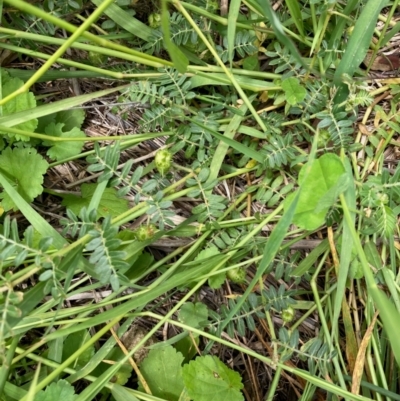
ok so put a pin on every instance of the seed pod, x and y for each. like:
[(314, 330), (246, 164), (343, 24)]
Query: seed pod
[(163, 160), (154, 20), (145, 232), (237, 275), (288, 314), (97, 59)]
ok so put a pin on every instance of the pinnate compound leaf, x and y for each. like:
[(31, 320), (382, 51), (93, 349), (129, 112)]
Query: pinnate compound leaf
[(207, 378), (62, 390), (24, 168), (194, 315), (162, 370), (21, 102), (323, 184), (63, 150), (294, 92), (110, 203)]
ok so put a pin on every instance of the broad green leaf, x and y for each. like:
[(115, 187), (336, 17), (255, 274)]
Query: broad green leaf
[(22, 102), (357, 46), (251, 63), (110, 203), (72, 118), (333, 193), (207, 378), (194, 315), (24, 168), (62, 390), (294, 92), (321, 176), (75, 341), (63, 150), (162, 370)]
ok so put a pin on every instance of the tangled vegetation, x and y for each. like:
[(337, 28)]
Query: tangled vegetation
[(199, 200)]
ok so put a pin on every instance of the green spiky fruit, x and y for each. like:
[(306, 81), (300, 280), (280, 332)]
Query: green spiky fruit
[(237, 275), (145, 232), (163, 160), (288, 314), (154, 20)]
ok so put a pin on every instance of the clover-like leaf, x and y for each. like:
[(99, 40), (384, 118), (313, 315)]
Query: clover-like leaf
[(194, 315), (24, 168), (21, 102), (294, 92), (207, 378), (110, 203), (162, 370), (320, 189), (72, 118), (62, 390), (63, 150)]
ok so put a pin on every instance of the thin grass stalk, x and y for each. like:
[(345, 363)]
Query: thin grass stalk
[(7, 362), (228, 73), (74, 356), (58, 53), (28, 8)]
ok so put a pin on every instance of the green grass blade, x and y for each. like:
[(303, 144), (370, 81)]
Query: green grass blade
[(121, 393), (307, 263), (357, 46), (295, 12), (98, 193), (234, 8), (126, 21), (40, 111), (222, 147), (37, 221), (395, 29), (389, 315), (30, 396), (255, 85), (232, 143), (346, 249), (7, 362), (14, 392), (180, 61), (265, 9), (271, 249), (338, 30)]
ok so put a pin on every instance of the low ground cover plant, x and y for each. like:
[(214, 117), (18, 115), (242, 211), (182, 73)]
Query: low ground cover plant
[(199, 200)]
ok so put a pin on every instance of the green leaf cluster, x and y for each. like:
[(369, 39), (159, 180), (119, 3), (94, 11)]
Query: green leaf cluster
[(201, 379)]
